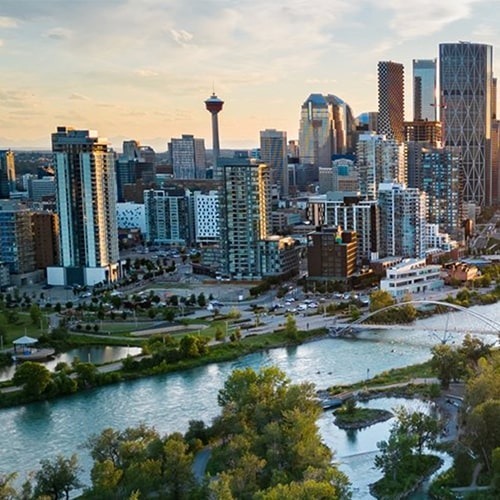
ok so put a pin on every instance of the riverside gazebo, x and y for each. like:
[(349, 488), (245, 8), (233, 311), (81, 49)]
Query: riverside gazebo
[(25, 350)]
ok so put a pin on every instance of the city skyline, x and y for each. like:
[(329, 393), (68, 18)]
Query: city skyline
[(141, 69)]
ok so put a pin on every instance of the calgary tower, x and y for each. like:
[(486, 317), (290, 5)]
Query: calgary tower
[(214, 105)]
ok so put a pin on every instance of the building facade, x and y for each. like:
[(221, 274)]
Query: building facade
[(466, 82), (86, 206), (331, 253), (424, 89), (188, 157), (274, 152), (411, 276), (245, 217), (353, 214), (391, 102), (166, 212), (402, 221), (206, 217), (7, 173), (379, 160)]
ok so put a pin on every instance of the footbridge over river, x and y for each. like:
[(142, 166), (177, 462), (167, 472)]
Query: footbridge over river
[(482, 323)]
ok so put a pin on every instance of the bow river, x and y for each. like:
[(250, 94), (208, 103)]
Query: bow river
[(167, 402)]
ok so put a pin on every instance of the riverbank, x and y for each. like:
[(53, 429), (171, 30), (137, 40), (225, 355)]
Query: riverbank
[(133, 369)]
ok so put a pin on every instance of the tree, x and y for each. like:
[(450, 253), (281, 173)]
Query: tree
[(35, 314), (57, 478), (7, 489), (394, 453), (483, 430), (33, 377), (291, 330), (269, 434), (202, 301), (380, 299), (424, 428), (447, 362), (178, 477)]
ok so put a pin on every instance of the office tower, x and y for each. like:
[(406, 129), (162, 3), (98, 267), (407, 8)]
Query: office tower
[(7, 173), (342, 175), (214, 106), (166, 216), (41, 189), (131, 149), (86, 205), (379, 160), (245, 219), (495, 162), (402, 221), (344, 125), (353, 214), (273, 152), (331, 253), (424, 89), (17, 249), (188, 157), (316, 132), (465, 83), (391, 102)]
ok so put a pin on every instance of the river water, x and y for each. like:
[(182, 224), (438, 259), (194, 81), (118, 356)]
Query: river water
[(168, 402), (98, 355)]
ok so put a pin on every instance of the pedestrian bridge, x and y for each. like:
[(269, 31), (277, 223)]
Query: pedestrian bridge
[(482, 324)]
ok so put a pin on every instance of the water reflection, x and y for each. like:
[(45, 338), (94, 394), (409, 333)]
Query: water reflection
[(92, 354)]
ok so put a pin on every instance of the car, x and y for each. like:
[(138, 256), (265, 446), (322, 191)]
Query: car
[(68, 287), (46, 287), (313, 305)]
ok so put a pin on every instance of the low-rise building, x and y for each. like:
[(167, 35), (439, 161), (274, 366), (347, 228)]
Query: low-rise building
[(411, 276), (459, 272), (331, 253)]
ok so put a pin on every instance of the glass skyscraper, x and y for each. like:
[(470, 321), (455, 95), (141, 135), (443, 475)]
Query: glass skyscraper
[(465, 82), (424, 89)]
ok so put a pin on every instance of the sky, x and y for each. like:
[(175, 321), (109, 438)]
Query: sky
[(141, 69)]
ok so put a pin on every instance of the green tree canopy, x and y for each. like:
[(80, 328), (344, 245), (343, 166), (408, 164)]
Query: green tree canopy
[(33, 377)]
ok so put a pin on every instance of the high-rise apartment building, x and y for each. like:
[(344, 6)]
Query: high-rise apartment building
[(424, 89), (206, 217), (273, 152), (440, 180), (245, 206), (7, 173), (402, 221), (379, 160), (17, 249), (352, 214), (86, 205), (391, 102), (465, 83), (188, 157), (167, 216)]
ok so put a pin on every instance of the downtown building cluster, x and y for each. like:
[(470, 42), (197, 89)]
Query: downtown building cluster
[(350, 193)]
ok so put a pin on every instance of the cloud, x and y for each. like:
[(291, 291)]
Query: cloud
[(146, 73), (182, 37), (1, 42), (7, 22), (417, 19), (321, 80), (58, 34), (78, 97)]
